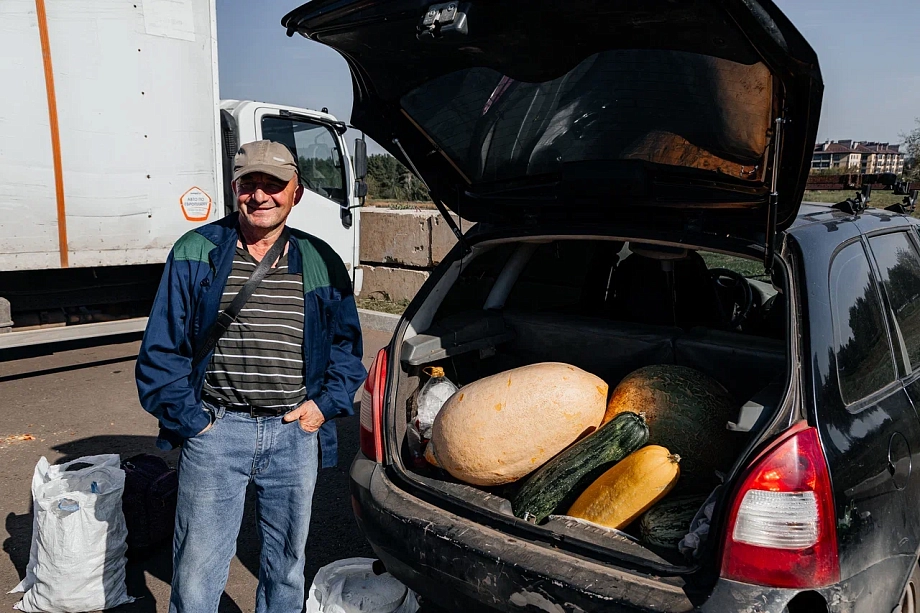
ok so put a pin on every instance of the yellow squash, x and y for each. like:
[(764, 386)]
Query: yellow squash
[(628, 489)]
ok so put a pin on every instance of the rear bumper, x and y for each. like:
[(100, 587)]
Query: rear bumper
[(464, 566)]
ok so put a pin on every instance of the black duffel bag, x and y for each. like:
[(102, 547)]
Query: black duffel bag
[(149, 502)]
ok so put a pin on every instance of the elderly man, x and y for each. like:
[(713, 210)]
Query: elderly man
[(255, 405)]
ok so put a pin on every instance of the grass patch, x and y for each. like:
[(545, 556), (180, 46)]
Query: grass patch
[(878, 199), (394, 307), (749, 269), (401, 205)]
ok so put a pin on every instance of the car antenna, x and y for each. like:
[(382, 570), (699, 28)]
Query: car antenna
[(437, 202)]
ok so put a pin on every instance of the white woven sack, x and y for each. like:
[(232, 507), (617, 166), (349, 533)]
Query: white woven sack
[(350, 586), (77, 559)]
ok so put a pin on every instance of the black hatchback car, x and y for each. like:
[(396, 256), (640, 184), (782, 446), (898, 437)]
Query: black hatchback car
[(636, 173)]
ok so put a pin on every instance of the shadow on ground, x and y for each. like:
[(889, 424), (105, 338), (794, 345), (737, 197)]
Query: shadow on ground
[(46, 349), (333, 532)]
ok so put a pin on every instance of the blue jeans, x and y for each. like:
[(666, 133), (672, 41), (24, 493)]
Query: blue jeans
[(214, 469)]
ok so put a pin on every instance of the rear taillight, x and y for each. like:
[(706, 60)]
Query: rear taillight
[(371, 431), (781, 530)]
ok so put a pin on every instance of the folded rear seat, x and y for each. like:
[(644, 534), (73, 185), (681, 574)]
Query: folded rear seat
[(609, 349), (744, 364)]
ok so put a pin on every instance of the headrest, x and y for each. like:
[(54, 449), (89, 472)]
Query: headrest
[(658, 252)]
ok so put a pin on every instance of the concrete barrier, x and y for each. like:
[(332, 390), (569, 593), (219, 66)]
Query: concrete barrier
[(401, 238), (442, 237), (414, 239), (399, 248), (388, 283)]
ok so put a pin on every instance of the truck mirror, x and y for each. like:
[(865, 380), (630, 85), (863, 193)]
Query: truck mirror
[(230, 142), (360, 194), (360, 158)]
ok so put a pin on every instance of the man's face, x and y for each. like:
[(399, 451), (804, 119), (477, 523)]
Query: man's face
[(265, 201)]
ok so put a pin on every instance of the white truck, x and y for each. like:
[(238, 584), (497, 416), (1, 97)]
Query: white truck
[(114, 142)]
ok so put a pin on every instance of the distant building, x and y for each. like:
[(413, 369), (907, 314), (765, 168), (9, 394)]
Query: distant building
[(862, 157)]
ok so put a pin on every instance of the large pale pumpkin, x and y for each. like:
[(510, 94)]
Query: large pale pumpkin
[(686, 411), (501, 428)]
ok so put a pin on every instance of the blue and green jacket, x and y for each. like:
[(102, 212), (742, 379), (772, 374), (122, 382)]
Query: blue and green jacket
[(187, 304)]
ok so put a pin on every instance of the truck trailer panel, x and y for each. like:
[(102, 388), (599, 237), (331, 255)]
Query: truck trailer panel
[(135, 98)]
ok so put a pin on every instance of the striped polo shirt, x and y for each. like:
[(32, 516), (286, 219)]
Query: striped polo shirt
[(259, 360)]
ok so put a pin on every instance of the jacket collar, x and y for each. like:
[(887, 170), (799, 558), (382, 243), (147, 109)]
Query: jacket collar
[(226, 230), (222, 230)]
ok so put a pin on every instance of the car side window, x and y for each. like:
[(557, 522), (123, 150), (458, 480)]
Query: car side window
[(899, 268), (864, 361)]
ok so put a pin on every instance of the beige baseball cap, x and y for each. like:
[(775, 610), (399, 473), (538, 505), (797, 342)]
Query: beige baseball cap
[(264, 156)]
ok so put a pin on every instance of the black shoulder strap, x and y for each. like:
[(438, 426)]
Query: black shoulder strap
[(226, 317)]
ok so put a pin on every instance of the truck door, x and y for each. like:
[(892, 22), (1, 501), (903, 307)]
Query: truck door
[(326, 175)]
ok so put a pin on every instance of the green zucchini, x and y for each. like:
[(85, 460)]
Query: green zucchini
[(665, 524), (561, 479)]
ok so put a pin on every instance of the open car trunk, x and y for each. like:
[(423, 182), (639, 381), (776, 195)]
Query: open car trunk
[(597, 304), (702, 111)]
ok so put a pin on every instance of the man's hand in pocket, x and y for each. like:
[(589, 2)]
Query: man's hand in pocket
[(309, 416)]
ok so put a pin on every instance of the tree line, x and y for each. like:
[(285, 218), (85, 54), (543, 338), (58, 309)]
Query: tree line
[(387, 179), (912, 151)]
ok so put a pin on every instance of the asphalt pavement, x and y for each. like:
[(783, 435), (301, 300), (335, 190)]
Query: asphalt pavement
[(64, 402)]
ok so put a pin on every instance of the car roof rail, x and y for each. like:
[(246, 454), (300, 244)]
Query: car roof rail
[(906, 207), (857, 204)]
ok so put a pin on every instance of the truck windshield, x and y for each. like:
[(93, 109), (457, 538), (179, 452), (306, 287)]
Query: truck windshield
[(318, 156)]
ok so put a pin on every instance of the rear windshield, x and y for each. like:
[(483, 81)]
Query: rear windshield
[(666, 107)]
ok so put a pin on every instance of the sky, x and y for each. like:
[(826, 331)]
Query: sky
[(869, 54)]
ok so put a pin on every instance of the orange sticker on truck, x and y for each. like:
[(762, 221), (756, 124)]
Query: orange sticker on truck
[(196, 204)]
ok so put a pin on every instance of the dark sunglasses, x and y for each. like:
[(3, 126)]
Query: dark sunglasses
[(271, 186)]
